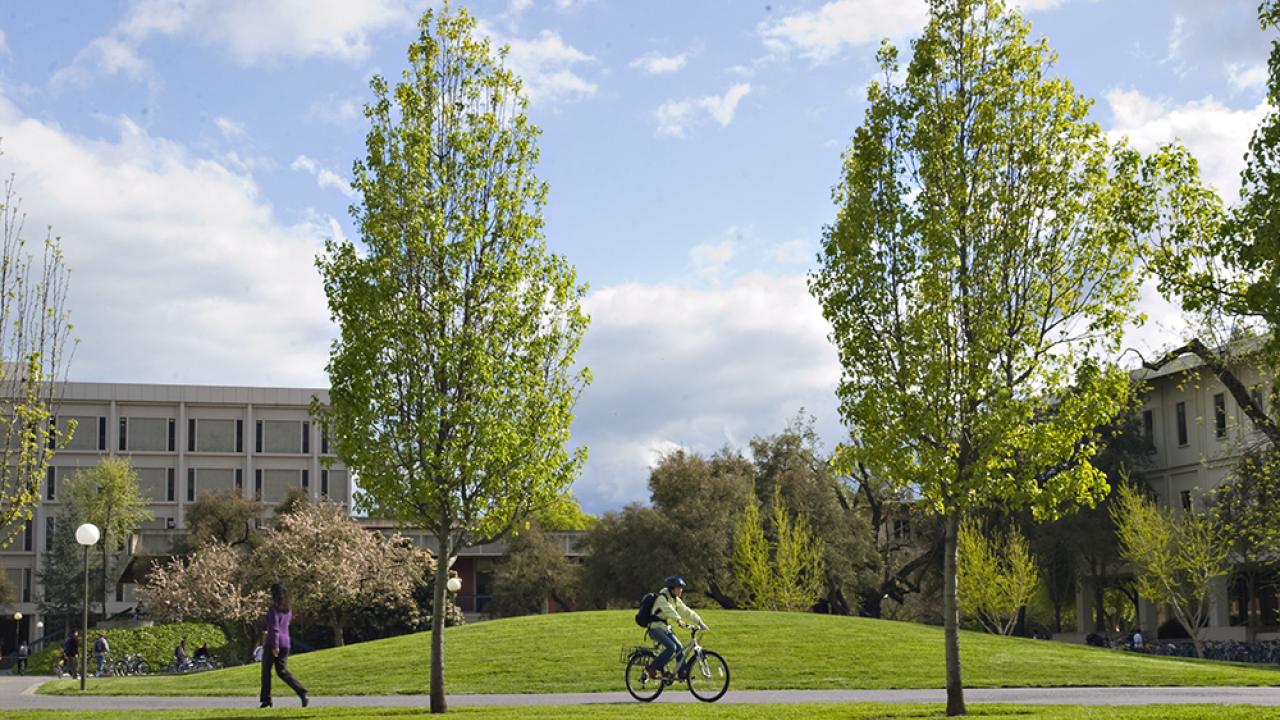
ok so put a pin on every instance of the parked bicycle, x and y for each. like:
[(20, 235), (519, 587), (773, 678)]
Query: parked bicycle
[(132, 664), (705, 671)]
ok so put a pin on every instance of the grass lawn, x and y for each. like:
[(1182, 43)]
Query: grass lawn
[(659, 710), (579, 652)]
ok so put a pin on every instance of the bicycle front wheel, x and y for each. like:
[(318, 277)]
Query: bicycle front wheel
[(708, 676), (142, 668), (638, 682)]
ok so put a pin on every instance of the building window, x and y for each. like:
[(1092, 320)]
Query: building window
[(26, 585), (84, 436), (324, 483), (239, 481), (124, 433), (257, 437), (1182, 424), (173, 434), (281, 436), (306, 438), (1220, 415), (306, 480), (1186, 499), (901, 529), (170, 489), (145, 434), (1255, 393), (239, 436), (28, 533), (51, 484), (215, 436), (191, 434), (1149, 426), (102, 433), (324, 440), (257, 483), (191, 484)]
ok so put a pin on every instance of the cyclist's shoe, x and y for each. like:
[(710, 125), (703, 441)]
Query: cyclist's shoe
[(651, 673)]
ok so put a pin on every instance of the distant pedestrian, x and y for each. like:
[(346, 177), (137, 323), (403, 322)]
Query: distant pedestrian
[(24, 652), (71, 653), (257, 653), (1137, 640), (275, 646), (100, 650)]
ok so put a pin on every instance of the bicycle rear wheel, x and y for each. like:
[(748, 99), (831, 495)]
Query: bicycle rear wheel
[(708, 676), (638, 682), (142, 668)]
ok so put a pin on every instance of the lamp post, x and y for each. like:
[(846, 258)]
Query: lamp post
[(17, 618), (87, 535)]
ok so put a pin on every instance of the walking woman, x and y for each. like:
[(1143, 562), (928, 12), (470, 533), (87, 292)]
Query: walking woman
[(275, 646)]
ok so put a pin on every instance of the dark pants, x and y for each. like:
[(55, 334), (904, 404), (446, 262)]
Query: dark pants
[(281, 663), (670, 646)]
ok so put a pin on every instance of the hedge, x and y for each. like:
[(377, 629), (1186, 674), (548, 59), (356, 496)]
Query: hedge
[(155, 643)]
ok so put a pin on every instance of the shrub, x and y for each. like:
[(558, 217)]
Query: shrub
[(155, 643)]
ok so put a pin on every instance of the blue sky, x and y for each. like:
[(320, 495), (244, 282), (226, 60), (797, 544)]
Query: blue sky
[(193, 155)]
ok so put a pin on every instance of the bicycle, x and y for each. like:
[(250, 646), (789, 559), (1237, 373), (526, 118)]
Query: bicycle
[(704, 671), (132, 665), (64, 666)]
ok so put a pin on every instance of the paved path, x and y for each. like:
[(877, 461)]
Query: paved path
[(19, 694)]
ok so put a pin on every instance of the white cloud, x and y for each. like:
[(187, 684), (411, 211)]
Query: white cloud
[(546, 65), (697, 368), (104, 56), (181, 271), (655, 63), (250, 31), (333, 110), (710, 260), (822, 35), (229, 128), (325, 177), (792, 252), (1246, 77), (676, 117), (1217, 135)]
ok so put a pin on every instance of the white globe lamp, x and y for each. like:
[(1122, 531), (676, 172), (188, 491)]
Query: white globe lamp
[(88, 534), (454, 584)]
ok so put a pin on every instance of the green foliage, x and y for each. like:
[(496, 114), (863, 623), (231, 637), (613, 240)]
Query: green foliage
[(1174, 556), (108, 496), (627, 556), (8, 593), (563, 513), (224, 517), (995, 577), (154, 642), (534, 570), (61, 572), (786, 573), (34, 331)]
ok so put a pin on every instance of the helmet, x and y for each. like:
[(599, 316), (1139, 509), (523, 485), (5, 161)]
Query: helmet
[(675, 581)]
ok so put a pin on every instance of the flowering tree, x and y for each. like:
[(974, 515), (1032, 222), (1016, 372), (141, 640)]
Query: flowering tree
[(333, 567), (210, 585)]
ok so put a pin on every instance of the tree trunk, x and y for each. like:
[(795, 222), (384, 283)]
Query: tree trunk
[(338, 640), (951, 618), (715, 593), (872, 601), (438, 611), (1251, 618), (1099, 606)]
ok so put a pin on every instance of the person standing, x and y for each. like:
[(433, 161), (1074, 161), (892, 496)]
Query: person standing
[(275, 646), (24, 651)]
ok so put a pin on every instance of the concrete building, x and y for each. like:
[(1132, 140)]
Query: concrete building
[(183, 440), (1199, 433)]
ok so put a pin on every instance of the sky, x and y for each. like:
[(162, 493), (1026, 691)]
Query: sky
[(194, 155)]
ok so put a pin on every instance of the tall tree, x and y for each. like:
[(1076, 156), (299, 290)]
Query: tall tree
[(61, 572), (35, 350), (614, 572), (1175, 557), (222, 517), (979, 265), (534, 571), (108, 496), (452, 379), (211, 585)]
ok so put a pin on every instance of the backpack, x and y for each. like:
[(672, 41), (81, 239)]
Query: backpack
[(644, 615)]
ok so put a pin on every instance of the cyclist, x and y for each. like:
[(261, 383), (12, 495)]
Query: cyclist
[(668, 607)]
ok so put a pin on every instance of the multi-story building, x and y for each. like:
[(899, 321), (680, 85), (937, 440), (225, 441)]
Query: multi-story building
[(1198, 433), (183, 440)]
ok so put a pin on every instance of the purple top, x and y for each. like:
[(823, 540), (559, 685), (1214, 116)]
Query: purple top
[(277, 629)]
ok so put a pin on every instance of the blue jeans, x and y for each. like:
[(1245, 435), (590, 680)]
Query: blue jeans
[(102, 662), (671, 646)]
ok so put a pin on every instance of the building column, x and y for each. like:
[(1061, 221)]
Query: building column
[(1148, 617), (1219, 603)]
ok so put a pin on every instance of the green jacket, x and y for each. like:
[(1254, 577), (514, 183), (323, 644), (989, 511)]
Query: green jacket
[(668, 608)]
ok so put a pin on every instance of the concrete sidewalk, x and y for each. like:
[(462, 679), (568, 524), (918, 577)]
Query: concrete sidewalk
[(19, 694)]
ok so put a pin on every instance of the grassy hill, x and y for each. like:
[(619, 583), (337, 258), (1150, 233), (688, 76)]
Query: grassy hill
[(579, 652)]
